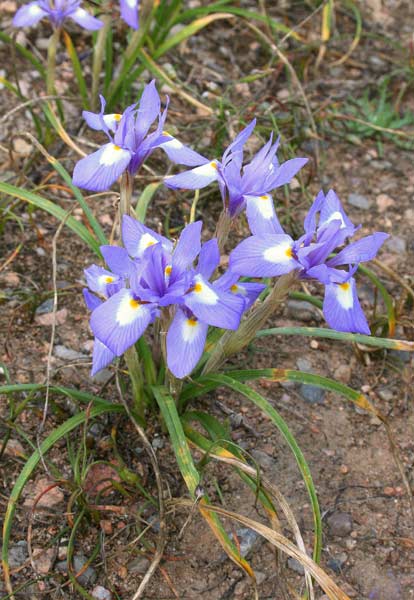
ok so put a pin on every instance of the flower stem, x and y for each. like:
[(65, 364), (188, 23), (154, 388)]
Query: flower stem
[(98, 56), (234, 341), (51, 62), (131, 355)]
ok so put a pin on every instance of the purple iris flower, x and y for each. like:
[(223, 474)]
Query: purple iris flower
[(130, 142), (57, 11), (243, 186), (327, 227), (150, 276), (129, 12)]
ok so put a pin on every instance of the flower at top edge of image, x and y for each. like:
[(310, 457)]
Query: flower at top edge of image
[(57, 11), (131, 141)]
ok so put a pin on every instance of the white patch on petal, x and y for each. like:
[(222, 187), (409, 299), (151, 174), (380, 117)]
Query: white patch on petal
[(173, 144), (112, 153), (145, 242), (238, 289), (34, 9), (112, 120), (264, 205), (203, 293), (209, 170), (344, 295), (128, 310), (132, 3), (335, 216), (280, 253), (190, 330), (81, 13)]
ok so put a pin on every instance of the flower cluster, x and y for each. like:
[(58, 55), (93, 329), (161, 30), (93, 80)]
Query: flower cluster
[(130, 142), (152, 278), (270, 252), (57, 11)]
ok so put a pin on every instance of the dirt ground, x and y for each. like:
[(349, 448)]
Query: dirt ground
[(368, 537)]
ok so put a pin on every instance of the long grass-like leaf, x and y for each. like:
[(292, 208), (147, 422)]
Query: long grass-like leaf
[(53, 209), (144, 201), (77, 68), (389, 304), (270, 411), (356, 338), (25, 53)]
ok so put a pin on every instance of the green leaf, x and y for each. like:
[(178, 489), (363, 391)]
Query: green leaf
[(25, 53), (144, 200), (53, 209), (385, 296), (356, 338), (178, 440), (77, 68), (271, 412)]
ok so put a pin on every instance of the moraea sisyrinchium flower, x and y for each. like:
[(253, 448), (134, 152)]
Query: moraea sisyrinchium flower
[(130, 142), (129, 12), (57, 11), (242, 186), (151, 277), (267, 254)]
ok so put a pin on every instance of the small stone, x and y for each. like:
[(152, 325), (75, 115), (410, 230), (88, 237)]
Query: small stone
[(312, 394), (49, 318), (18, 554), (384, 201), (381, 165), (303, 311), (409, 216), (343, 373), (359, 201), (45, 307), (247, 539), (344, 469), (123, 572), (340, 524), (294, 565), (158, 443), (396, 244), (22, 147), (43, 560), (14, 448), (101, 593), (68, 354), (52, 497), (335, 565), (102, 377), (303, 364), (88, 577), (260, 577), (294, 184), (11, 279), (263, 459), (314, 344), (139, 565), (106, 526)]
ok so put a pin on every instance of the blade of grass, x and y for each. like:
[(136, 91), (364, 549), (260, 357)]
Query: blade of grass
[(53, 209), (77, 69), (144, 200), (389, 304), (25, 53)]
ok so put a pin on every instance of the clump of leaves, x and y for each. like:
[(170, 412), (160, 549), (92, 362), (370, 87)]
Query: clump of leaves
[(376, 116)]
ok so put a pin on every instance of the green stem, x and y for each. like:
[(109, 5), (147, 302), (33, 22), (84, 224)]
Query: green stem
[(51, 62), (98, 56)]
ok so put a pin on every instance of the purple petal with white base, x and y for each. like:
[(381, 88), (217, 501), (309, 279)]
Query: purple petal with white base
[(28, 15), (264, 256), (194, 179), (178, 153), (120, 321), (186, 339), (129, 12), (342, 310), (98, 279), (102, 356), (137, 237), (261, 215), (86, 20), (98, 171)]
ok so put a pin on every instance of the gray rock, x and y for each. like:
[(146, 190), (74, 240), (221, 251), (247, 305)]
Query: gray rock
[(359, 201), (294, 565), (67, 353), (18, 554), (139, 565), (101, 593), (263, 459), (45, 307), (335, 564), (303, 311), (399, 355), (247, 539), (340, 524), (158, 443), (87, 578), (381, 165), (102, 376), (396, 244), (312, 394), (303, 364)]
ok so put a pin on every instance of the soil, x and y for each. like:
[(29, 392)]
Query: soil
[(368, 537)]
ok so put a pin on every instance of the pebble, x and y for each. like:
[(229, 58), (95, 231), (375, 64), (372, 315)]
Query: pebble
[(52, 497), (48, 318), (263, 459), (384, 201), (158, 443), (67, 353), (400, 355), (139, 565), (381, 165), (359, 201), (310, 393), (43, 560), (18, 554), (45, 307), (343, 373), (294, 565), (101, 593), (336, 563), (396, 244), (247, 539), (303, 311), (102, 377), (340, 524), (88, 577), (14, 448)]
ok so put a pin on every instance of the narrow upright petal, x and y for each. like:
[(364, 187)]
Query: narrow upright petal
[(194, 179), (188, 246), (284, 174), (213, 306), (239, 141), (331, 210), (342, 310), (264, 256), (186, 338), (98, 171), (86, 20), (120, 321), (261, 215), (117, 260), (28, 15), (208, 259), (129, 12), (148, 110)]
